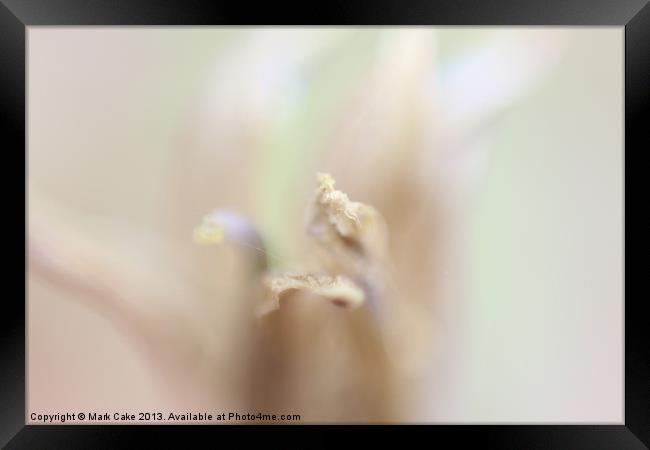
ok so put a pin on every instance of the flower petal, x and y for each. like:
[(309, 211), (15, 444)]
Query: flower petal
[(352, 233), (339, 290)]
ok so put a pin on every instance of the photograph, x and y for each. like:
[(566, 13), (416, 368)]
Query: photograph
[(324, 225)]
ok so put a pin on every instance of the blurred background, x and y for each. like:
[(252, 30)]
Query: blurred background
[(494, 154)]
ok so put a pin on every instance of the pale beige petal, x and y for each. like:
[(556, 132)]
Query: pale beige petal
[(339, 290), (348, 217), (352, 233)]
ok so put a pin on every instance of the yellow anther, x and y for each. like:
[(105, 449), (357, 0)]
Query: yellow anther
[(209, 232)]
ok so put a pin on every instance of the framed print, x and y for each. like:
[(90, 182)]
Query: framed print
[(412, 217)]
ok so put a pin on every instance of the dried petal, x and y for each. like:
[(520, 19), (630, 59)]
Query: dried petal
[(339, 290), (352, 233), (348, 218)]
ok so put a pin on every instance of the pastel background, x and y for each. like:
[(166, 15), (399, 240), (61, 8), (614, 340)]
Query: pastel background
[(516, 135)]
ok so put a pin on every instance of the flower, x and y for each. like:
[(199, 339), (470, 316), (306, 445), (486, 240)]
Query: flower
[(345, 230), (238, 326)]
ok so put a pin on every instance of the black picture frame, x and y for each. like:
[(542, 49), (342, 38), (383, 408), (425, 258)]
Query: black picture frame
[(16, 15)]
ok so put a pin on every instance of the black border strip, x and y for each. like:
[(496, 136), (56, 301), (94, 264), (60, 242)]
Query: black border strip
[(637, 111), (344, 12), (15, 15)]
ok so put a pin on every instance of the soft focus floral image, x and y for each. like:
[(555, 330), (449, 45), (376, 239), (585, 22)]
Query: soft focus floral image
[(350, 225)]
